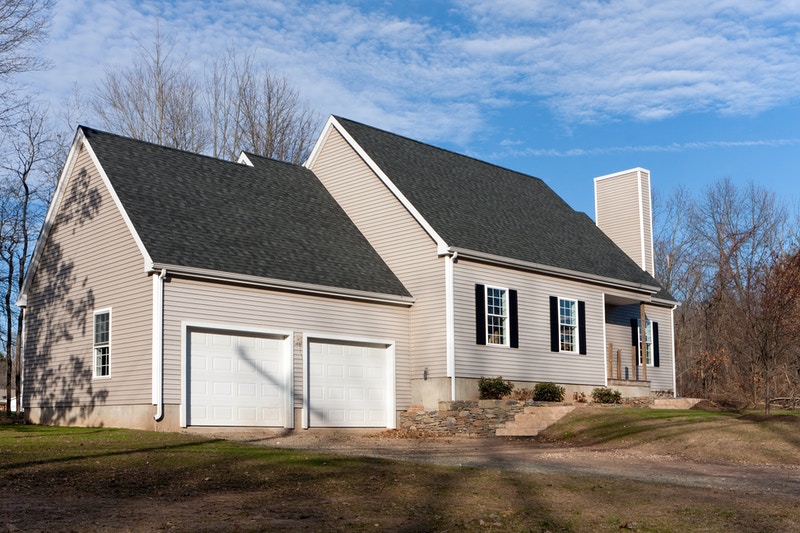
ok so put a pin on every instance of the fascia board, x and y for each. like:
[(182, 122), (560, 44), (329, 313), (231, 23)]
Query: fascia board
[(555, 271), (332, 123), (279, 284)]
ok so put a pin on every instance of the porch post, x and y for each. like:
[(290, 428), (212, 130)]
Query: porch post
[(643, 340)]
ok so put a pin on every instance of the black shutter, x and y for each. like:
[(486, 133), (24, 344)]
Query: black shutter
[(656, 360), (554, 344), (513, 319), (635, 337), (480, 314), (582, 327)]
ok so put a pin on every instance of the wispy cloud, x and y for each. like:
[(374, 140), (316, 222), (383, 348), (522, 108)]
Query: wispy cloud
[(590, 61), (651, 148)]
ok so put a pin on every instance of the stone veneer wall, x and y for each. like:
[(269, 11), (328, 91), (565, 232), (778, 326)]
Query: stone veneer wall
[(473, 419), (478, 419)]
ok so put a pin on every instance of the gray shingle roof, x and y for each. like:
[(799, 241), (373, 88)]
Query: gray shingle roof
[(485, 208), (273, 220)]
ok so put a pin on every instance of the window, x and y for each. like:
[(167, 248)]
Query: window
[(496, 320), (567, 325), (650, 339), (102, 343), (496, 316)]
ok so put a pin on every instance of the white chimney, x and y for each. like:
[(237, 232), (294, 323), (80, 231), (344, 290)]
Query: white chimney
[(623, 211)]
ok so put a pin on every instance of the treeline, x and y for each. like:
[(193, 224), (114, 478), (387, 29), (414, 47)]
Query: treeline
[(730, 256)]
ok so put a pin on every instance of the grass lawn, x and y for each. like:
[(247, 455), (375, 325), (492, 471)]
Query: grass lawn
[(92, 479)]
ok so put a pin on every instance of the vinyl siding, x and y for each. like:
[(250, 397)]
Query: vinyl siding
[(90, 262), (618, 333), (623, 213), (533, 360), (399, 239), (233, 307)]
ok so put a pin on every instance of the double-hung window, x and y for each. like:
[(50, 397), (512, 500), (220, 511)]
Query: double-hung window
[(102, 343), (650, 340), (496, 316), (567, 325)]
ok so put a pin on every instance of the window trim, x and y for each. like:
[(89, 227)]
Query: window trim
[(575, 326), (482, 316), (581, 340), (100, 345), (505, 317)]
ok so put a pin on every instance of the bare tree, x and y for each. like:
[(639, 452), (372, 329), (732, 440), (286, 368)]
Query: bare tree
[(23, 24), (156, 99), (256, 110), (27, 189), (731, 260)]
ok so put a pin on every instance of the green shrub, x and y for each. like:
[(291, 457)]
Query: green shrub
[(494, 388), (606, 395), (548, 392)]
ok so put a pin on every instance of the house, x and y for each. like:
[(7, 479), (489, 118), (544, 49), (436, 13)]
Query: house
[(172, 290)]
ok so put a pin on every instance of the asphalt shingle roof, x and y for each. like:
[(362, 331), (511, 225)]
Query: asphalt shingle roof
[(482, 207), (273, 220)]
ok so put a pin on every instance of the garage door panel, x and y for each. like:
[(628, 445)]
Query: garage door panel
[(236, 380), (347, 385)]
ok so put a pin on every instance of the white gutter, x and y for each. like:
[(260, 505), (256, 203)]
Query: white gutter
[(271, 283), (158, 344), (450, 329), (562, 272)]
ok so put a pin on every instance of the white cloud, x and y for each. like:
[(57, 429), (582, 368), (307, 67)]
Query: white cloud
[(591, 61)]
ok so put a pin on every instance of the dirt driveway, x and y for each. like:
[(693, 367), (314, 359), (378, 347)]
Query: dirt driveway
[(530, 456)]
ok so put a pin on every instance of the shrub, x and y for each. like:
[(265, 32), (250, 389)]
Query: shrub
[(494, 388), (606, 395), (522, 395), (548, 392)]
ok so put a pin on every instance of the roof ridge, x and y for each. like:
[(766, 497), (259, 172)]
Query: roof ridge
[(155, 145), (453, 152)]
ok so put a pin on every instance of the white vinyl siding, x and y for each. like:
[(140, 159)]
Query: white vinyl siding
[(399, 239), (72, 280), (623, 212), (533, 360), (232, 306)]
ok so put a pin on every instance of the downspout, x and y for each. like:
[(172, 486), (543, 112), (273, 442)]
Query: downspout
[(158, 344), (450, 342)]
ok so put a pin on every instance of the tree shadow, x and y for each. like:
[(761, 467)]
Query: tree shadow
[(58, 357)]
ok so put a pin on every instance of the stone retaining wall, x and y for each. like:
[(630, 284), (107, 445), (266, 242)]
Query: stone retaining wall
[(475, 419)]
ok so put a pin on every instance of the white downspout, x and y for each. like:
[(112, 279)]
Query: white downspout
[(450, 322), (158, 344)]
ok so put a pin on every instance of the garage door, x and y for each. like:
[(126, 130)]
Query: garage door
[(347, 385), (237, 379)]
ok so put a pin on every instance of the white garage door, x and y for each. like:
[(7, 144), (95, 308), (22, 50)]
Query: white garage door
[(236, 379), (347, 385)]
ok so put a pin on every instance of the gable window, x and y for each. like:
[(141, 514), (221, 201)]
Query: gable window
[(567, 325), (650, 339), (496, 316), (102, 343)]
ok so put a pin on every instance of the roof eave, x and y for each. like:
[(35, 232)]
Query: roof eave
[(650, 290), (279, 284)]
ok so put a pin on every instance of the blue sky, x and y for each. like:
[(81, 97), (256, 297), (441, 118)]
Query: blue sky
[(565, 91)]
